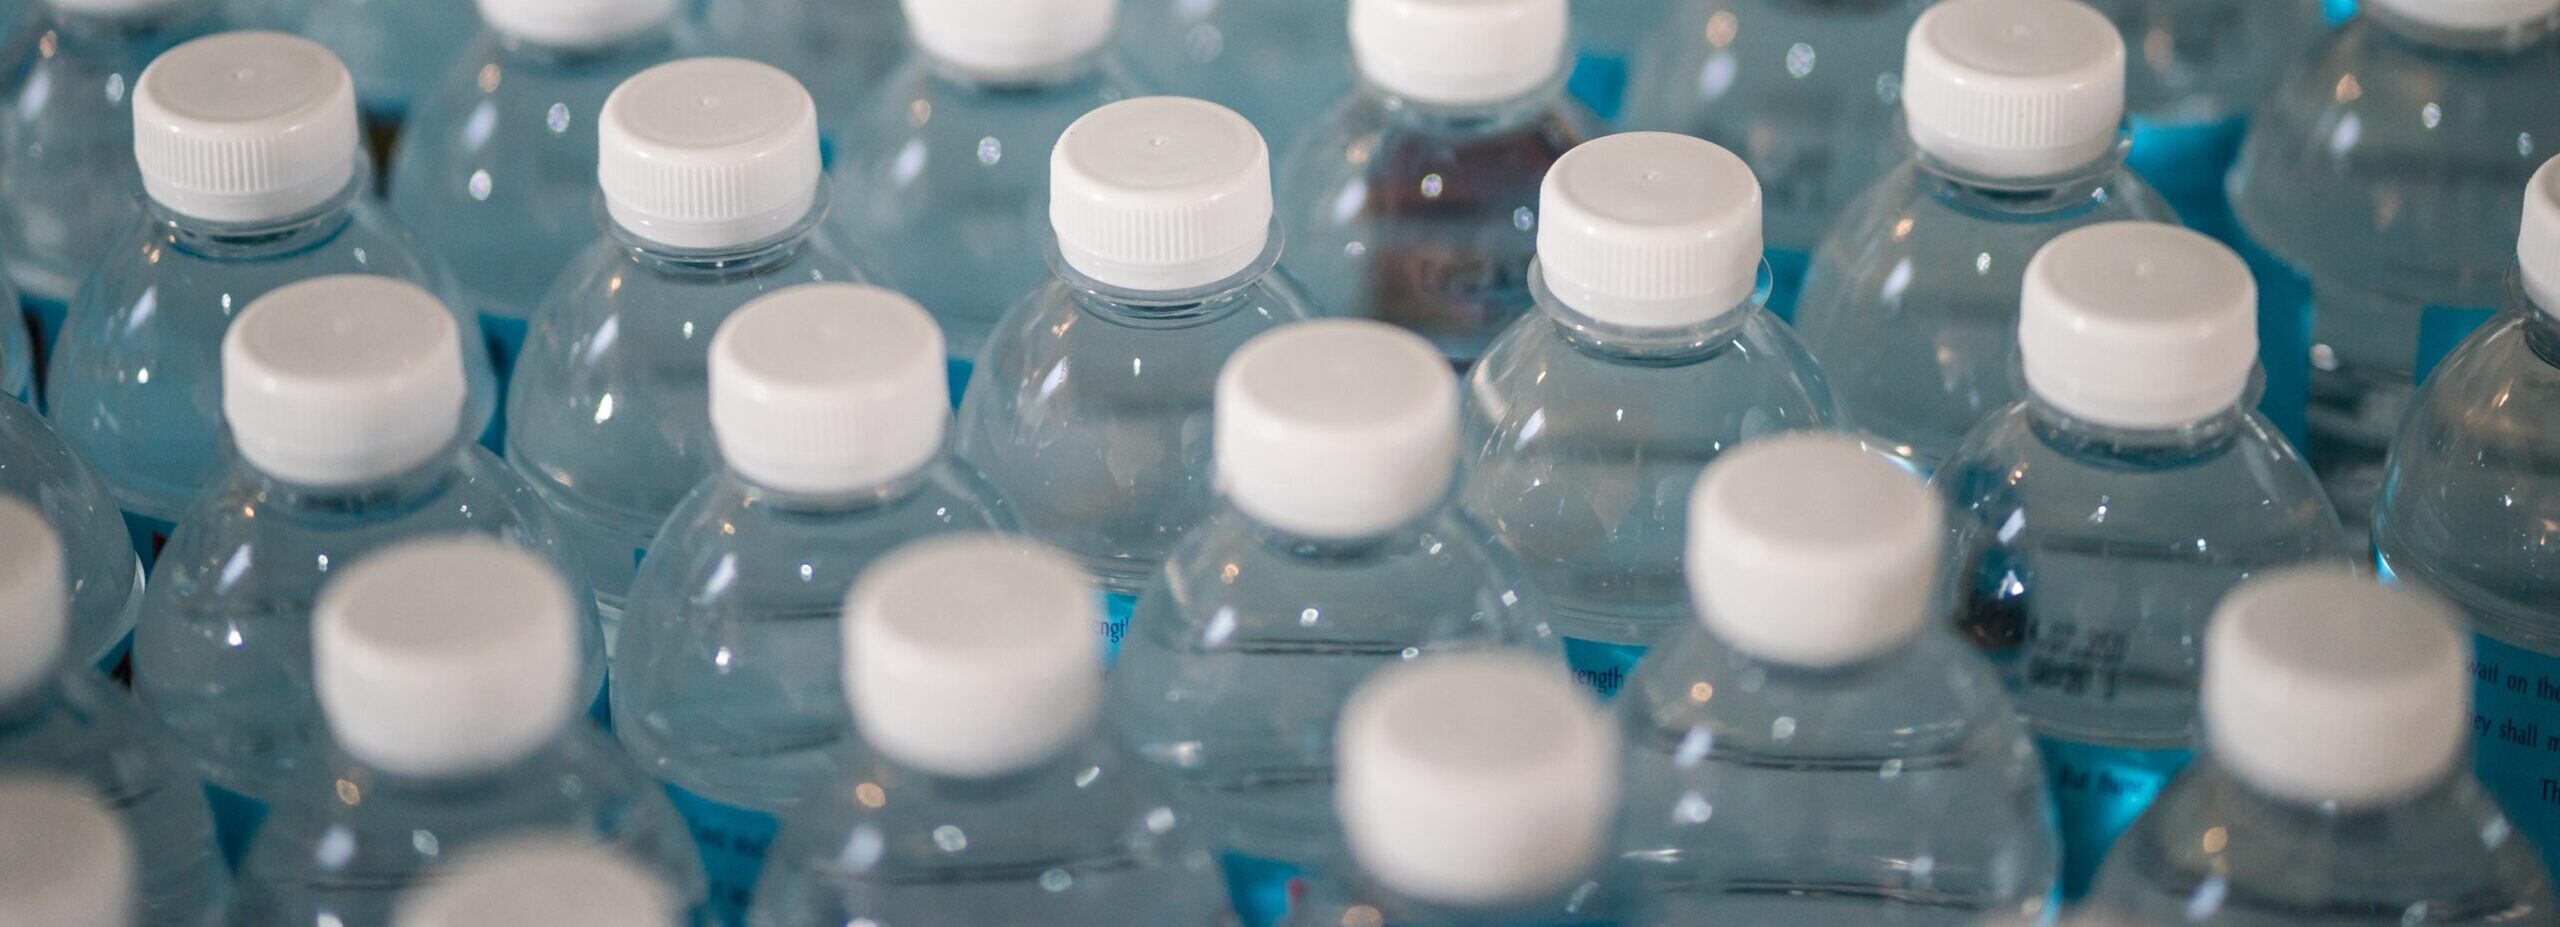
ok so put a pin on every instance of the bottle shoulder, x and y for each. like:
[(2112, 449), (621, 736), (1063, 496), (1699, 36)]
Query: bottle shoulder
[(1387, 148), (1442, 580), (2471, 495), (1081, 348), (1934, 697), (580, 782), (730, 539), (1760, 378), (2027, 482)]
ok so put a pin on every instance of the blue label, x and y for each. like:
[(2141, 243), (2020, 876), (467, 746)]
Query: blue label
[(2097, 793), (236, 819), (1602, 667), (1786, 280), (1261, 889), (959, 369), (1116, 609), (149, 536), (1600, 81), (2284, 341), (2185, 162), (2515, 727), (733, 842), (2442, 329)]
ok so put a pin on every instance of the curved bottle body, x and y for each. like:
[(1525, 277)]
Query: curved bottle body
[(1281, 63), (106, 578), (81, 726)]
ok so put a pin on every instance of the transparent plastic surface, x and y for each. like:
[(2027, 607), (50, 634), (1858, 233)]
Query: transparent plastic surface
[(1281, 63), (394, 48), (837, 48), (1335, 899), (81, 726), (106, 578), (2197, 69)]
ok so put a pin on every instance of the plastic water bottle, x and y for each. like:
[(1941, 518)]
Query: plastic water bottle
[(542, 881), (2382, 178), (2471, 507), (247, 142), (1817, 750), (2332, 790), (58, 718), (830, 409), (396, 48), (712, 195), (950, 201), (1476, 791), (496, 168), (1606, 36), (2100, 518), (2203, 67), (1805, 92), (982, 792), (106, 578), (1649, 355), (1416, 200), (838, 48), (66, 135), (65, 860), (448, 672), (1335, 550), (1912, 303), (1090, 406), (1281, 63), (344, 397)]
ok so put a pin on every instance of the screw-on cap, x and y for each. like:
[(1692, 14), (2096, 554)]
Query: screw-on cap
[(1340, 428), (2538, 248), (65, 859), (2473, 14), (1808, 550), (829, 388), (35, 605), (446, 657), (2014, 88), (972, 655), (2324, 686), (1459, 52), (2138, 325), (576, 23), (1000, 39), (1650, 230), (245, 127), (1476, 780), (1161, 194), (543, 881), (708, 153), (338, 381)]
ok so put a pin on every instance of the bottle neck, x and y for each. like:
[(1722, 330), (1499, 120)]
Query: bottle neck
[(265, 238), (2542, 333), (402, 491), (1469, 119), (2496, 40), (715, 263), (1648, 347), (1167, 308), (2090, 184), (652, 42), (1024, 81), (834, 505), (2079, 437), (1369, 548), (130, 26)]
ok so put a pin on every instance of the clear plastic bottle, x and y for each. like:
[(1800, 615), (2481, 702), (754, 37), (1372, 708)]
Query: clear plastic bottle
[(59, 718), (396, 48), (1089, 408), (448, 672), (1650, 354), (247, 142), (1606, 36), (1477, 790), (1416, 201), (1336, 549), (2204, 65), (1818, 750), (2332, 791), (2471, 507), (344, 398), (547, 880), (980, 791), (839, 49), (2382, 179), (830, 409), (106, 578), (1281, 63), (2099, 519), (945, 162), (1912, 303), (65, 859), (1806, 91), (713, 195), (496, 168)]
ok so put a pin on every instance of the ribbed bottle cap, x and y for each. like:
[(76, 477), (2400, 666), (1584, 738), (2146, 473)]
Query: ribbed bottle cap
[(2538, 248), (66, 860), (245, 127), (541, 881), (1339, 428), (2324, 686), (446, 656), (972, 655), (1001, 39), (829, 388), (1476, 780), (35, 606), (1161, 194), (2473, 14), (1459, 52), (706, 154), (2138, 325), (1650, 230), (2014, 88), (340, 381), (576, 23), (1809, 550)]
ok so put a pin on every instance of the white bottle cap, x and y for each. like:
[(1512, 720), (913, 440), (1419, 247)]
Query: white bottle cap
[(1809, 550), (2014, 88), (1338, 428), (1650, 230), (1476, 780), (344, 380), (1161, 194), (1006, 39), (35, 605), (66, 860), (972, 655), (576, 23), (1459, 52), (115, 9), (2138, 325), (544, 881), (707, 154), (829, 388), (446, 656), (2538, 248), (2324, 686), (2472, 14), (245, 127)]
